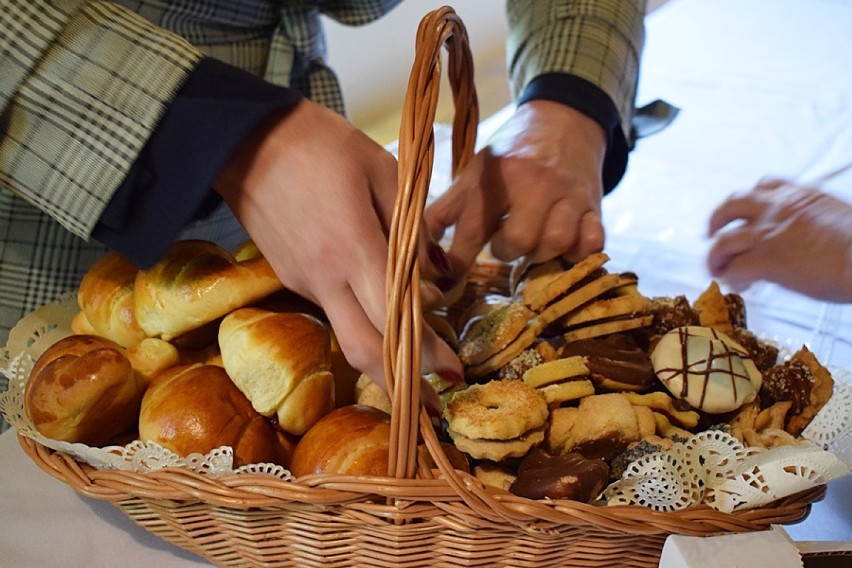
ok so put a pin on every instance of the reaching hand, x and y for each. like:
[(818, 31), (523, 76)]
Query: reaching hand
[(795, 236), (316, 195), (534, 191)]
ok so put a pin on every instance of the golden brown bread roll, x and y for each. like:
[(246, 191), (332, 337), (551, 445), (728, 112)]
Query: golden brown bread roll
[(150, 357), (83, 389), (282, 363), (196, 283), (196, 408), (105, 296), (351, 440)]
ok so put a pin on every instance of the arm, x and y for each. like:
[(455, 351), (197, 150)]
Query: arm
[(83, 87), (535, 189)]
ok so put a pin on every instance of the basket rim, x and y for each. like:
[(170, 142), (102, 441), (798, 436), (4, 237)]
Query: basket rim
[(400, 497)]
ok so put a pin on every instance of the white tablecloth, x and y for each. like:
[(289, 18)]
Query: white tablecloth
[(764, 87)]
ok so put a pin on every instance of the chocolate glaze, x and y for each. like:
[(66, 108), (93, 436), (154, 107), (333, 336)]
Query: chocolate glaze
[(570, 476), (616, 357)]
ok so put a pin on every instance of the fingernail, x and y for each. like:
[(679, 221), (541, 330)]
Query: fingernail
[(433, 413), (452, 376), (445, 284), (440, 259)]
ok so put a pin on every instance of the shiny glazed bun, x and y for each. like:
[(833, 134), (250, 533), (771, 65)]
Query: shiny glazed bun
[(83, 389), (196, 283), (351, 440), (282, 363), (196, 408), (105, 296)]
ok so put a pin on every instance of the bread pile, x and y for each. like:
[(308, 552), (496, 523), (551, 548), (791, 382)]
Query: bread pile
[(204, 349), (574, 374)]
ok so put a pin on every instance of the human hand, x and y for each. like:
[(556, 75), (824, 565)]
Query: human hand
[(535, 190), (317, 196), (798, 237)]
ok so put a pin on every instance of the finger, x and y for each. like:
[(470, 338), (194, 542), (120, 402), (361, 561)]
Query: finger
[(727, 246), (556, 233), (591, 237), (359, 339), (741, 272), (737, 206), (517, 235), (772, 182)]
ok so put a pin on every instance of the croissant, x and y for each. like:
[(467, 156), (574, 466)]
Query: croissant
[(282, 363), (196, 283), (105, 296)]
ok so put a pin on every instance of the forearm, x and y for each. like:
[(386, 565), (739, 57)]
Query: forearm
[(83, 86)]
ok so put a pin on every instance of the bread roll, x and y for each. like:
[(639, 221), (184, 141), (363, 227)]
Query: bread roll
[(196, 408), (351, 440), (150, 357), (83, 389), (196, 283), (282, 363), (105, 296)]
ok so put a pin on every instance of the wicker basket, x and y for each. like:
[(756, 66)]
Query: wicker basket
[(415, 516)]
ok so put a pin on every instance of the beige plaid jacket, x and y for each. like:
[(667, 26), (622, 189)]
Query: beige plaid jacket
[(83, 84)]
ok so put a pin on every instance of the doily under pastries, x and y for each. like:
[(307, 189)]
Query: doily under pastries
[(712, 467)]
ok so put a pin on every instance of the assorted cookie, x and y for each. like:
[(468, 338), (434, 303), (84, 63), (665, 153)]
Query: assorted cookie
[(574, 374)]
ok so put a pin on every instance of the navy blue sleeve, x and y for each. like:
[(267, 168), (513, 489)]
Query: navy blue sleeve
[(171, 181), (589, 99)]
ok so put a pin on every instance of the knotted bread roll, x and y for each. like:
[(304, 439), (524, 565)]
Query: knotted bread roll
[(83, 389), (196, 283), (282, 363)]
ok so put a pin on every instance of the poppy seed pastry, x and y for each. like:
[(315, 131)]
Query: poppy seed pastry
[(706, 368)]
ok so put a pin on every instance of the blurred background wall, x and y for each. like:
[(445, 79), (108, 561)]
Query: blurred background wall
[(374, 61)]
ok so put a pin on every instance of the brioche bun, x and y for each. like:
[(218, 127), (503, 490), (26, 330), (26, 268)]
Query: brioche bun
[(196, 408), (351, 440), (282, 363), (83, 389)]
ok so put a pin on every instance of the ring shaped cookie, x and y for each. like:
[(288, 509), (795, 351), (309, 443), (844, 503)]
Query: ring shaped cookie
[(497, 410)]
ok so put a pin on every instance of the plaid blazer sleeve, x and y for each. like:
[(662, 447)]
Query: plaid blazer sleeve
[(598, 41), (83, 85)]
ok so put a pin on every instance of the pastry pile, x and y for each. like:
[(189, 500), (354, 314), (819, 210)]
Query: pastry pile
[(570, 374), (617, 375), (204, 349)]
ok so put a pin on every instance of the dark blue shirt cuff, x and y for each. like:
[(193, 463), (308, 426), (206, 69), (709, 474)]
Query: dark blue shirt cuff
[(592, 101), (170, 184)]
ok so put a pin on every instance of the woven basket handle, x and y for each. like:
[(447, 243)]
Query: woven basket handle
[(403, 331)]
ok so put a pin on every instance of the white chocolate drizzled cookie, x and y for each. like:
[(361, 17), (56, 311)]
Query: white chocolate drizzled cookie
[(706, 368)]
